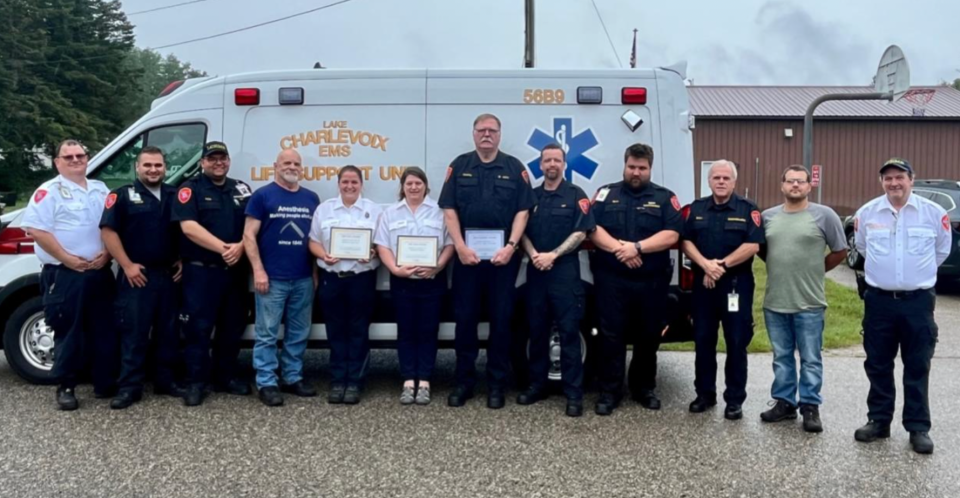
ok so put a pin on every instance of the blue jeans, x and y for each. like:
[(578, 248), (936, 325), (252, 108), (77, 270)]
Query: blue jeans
[(801, 332), (289, 301)]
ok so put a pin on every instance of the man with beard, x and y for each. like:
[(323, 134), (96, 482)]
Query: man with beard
[(138, 229), (722, 233), (275, 239), (488, 191), (560, 221), (904, 238), (638, 222), (210, 210), (798, 233)]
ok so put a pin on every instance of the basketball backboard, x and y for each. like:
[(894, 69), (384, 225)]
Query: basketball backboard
[(893, 73)]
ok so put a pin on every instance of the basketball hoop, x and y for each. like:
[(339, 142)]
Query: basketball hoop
[(919, 97)]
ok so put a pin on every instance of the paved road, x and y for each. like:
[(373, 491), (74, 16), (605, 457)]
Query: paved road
[(236, 447)]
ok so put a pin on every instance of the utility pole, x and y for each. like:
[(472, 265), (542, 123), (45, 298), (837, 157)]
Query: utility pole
[(529, 53)]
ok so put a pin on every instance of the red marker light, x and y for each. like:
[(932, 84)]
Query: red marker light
[(634, 96), (246, 96)]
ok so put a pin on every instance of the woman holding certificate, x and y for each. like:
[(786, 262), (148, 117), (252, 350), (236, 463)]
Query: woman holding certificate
[(340, 237), (413, 243)]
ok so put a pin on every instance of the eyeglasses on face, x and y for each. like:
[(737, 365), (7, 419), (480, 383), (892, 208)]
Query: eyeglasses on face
[(74, 157)]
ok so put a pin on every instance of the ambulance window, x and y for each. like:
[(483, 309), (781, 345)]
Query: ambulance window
[(181, 145)]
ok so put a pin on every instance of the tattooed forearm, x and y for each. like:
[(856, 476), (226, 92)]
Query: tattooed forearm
[(571, 244)]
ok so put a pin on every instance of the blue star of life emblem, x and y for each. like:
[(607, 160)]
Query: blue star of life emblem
[(575, 146)]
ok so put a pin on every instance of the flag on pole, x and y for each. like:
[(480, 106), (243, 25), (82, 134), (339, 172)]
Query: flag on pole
[(633, 53)]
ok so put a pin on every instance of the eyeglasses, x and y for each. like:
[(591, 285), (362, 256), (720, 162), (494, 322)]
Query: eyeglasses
[(796, 182), (74, 157), (484, 131), (215, 160)]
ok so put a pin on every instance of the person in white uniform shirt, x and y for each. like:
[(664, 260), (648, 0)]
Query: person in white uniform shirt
[(347, 286), (64, 218), (416, 291), (905, 238)]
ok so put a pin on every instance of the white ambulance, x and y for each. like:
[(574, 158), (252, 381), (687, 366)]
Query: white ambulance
[(382, 121)]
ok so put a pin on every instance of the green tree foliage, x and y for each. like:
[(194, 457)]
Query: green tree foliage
[(152, 73), (956, 83)]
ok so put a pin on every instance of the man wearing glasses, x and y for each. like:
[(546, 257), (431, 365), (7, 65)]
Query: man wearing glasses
[(798, 234), (64, 218), (488, 191)]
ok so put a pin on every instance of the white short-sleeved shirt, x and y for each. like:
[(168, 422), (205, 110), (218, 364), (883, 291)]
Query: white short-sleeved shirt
[(71, 213), (399, 220), (333, 213), (902, 250)]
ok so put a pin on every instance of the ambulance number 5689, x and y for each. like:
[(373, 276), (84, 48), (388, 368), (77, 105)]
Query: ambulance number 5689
[(543, 96)]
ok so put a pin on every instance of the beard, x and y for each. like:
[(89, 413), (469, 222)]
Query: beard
[(290, 177)]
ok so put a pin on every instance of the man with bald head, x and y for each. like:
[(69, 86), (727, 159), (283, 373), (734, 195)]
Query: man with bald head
[(275, 239), (722, 232)]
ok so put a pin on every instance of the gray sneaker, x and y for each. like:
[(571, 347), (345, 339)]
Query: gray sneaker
[(423, 396), (406, 396)]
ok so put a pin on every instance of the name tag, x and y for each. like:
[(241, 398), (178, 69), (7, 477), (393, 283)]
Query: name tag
[(244, 190), (602, 194), (65, 193), (733, 302), (396, 225), (134, 196)]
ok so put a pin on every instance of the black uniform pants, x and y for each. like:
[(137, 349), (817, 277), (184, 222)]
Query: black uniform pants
[(891, 323), (556, 296), (417, 303), (710, 310), (347, 304), (639, 305), (214, 297), (142, 312), (76, 306), (472, 285)]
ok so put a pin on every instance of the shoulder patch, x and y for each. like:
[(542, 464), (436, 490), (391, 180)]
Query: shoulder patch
[(757, 219), (184, 195), (39, 195), (685, 212), (946, 222), (111, 200), (675, 202), (584, 205), (525, 176)]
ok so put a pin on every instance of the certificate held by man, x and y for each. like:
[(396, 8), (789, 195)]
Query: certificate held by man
[(417, 251), (485, 243), (350, 243)]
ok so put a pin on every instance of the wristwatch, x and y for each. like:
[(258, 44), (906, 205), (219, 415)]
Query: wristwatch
[(723, 264), (512, 244), (637, 245)]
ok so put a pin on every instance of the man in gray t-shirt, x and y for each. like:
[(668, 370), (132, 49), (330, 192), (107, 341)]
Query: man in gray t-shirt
[(798, 235)]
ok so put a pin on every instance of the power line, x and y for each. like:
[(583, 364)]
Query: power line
[(298, 14), (607, 32), (225, 33), (164, 7)]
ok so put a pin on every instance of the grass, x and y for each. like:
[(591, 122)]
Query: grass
[(842, 328)]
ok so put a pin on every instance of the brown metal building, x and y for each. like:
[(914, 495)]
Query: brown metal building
[(761, 129)]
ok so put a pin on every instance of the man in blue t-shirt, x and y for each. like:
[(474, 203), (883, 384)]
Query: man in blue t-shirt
[(275, 239)]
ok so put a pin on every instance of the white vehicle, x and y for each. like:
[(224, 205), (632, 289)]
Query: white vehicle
[(381, 121)]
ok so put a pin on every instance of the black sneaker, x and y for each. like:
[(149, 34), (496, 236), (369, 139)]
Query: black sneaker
[(125, 399), (733, 412), (336, 394), (921, 442), (872, 431), (811, 418), (270, 396), (647, 399), (459, 396), (194, 395), (606, 404), (352, 395), (781, 411), (496, 399), (67, 399), (574, 407), (299, 388), (702, 403)]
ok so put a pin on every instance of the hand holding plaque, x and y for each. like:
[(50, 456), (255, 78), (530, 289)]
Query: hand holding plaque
[(485, 243), (350, 243), (417, 251)]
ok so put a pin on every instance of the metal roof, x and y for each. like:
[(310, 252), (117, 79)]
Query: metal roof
[(792, 102)]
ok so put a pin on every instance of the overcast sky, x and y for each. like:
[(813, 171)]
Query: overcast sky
[(768, 42)]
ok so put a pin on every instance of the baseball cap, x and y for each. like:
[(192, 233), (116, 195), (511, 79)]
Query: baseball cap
[(215, 148), (896, 162)]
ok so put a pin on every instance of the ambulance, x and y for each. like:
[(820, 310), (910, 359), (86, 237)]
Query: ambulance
[(383, 121)]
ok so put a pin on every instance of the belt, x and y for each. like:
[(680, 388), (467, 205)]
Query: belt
[(221, 266), (345, 274), (898, 294)]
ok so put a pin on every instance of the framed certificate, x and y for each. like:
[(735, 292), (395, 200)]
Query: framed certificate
[(485, 243), (417, 251), (350, 243)]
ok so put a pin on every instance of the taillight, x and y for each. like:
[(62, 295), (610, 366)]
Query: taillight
[(172, 87), (634, 96), (15, 241), (246, 96)]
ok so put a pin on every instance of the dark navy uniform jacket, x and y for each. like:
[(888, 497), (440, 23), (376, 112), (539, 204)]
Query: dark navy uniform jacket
[(144, 223), (718, 230), (219, 209), (633, 216), (557, 214), (486, 195)]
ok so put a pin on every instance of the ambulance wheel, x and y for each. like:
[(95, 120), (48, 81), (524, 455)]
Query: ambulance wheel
[(28, 343)]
